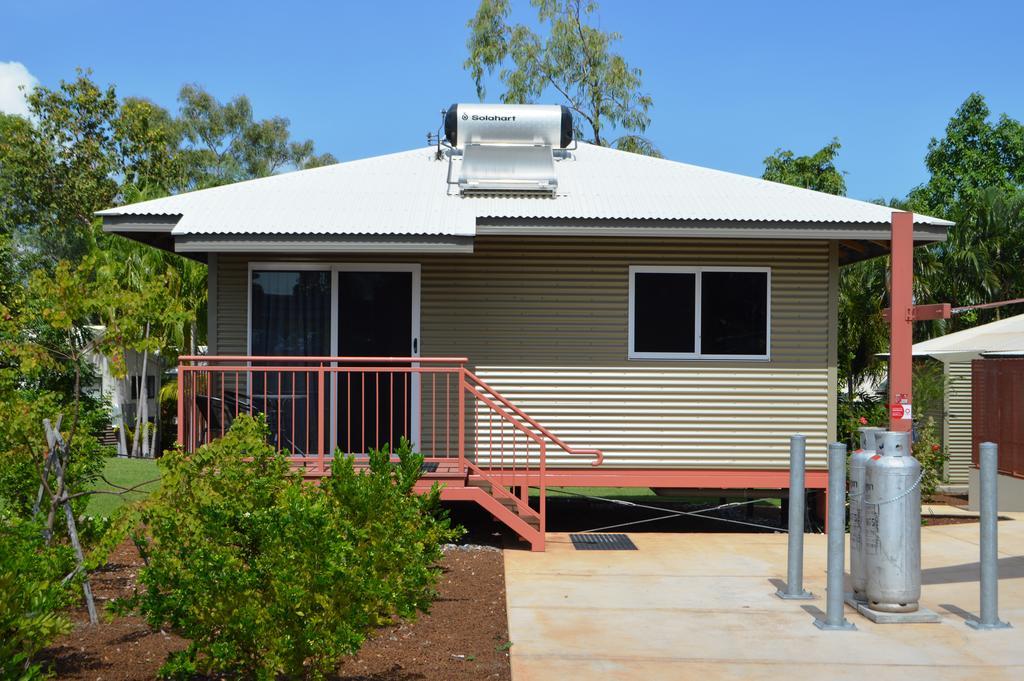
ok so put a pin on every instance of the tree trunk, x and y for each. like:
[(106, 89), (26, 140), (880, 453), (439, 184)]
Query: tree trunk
[(143, 398)]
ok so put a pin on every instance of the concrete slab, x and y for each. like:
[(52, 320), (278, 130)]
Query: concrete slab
[(920, 616), (946, 510), (704, 606)]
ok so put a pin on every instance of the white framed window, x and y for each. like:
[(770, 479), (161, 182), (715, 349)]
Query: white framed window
[(699, 312)]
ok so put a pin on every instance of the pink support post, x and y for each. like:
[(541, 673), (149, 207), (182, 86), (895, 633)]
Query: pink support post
[(901, 336), (182, 377)]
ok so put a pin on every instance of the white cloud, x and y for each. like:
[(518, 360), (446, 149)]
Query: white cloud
[(13, 75)]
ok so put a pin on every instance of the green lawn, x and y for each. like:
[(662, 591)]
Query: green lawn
[(127, 473)]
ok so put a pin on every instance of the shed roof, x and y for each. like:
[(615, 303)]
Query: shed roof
[(1005, 337)]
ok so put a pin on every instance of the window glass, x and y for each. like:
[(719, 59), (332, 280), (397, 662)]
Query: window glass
[(664, 312), (734, 313), (291, 313)]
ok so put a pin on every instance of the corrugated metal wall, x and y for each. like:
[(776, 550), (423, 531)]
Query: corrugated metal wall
[(957, 427), (544, 320)]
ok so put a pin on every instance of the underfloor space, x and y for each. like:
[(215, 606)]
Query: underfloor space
[(701, 606)]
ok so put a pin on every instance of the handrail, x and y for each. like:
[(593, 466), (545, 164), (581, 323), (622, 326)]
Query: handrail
[(297, 358), (575, 451)]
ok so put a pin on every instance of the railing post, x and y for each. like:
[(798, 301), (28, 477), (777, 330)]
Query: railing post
[(182, 373), (797, 499), (834, 594), (320, 417), (462, 418), (988, 460), (543, 488)]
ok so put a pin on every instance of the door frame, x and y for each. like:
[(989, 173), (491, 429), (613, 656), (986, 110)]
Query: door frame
[(334, 268)]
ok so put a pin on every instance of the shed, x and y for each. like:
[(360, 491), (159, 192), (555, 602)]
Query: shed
[(957, 351)]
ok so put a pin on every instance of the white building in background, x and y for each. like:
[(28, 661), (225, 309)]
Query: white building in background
[(125, 397)]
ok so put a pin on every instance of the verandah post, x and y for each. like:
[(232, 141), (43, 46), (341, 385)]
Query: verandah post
[(182, 373)]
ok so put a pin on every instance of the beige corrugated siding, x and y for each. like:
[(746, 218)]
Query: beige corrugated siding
[(544, 320), (957, 427)]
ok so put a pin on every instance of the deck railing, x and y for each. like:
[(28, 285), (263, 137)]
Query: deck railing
[(315, 406)]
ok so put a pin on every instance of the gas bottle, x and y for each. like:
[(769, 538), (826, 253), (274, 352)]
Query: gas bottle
[(892, 526), (858, 464)]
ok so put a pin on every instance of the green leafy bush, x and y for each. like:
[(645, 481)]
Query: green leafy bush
[(23, 446), (864, 410), (270, 576), (31, 597), (932, 457)]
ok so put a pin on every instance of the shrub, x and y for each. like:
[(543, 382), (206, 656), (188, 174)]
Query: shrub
[(31, 597), (863, 410), (931, 455), (23, 445), (270, 576)]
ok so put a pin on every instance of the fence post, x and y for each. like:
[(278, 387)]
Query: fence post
[(834, 595), (182, 373), (988, 460), (797, 509)]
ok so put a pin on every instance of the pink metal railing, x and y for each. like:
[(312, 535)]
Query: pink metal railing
[(317, 405)]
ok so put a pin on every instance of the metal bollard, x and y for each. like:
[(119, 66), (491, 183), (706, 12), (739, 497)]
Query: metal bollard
[(794, 590), (834, 596), (988, 459)]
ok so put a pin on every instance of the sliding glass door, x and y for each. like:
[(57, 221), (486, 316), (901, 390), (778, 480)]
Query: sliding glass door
[(339, 310), (375, 311)]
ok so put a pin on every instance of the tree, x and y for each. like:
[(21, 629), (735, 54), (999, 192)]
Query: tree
[(225, 143), (84, 149), (862, 333), (974, 155), (574, 60), (977, 181), (817, 171)]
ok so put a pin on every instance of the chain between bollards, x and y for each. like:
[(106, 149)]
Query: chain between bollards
[(988, 460), (797, 500), (834, 595)]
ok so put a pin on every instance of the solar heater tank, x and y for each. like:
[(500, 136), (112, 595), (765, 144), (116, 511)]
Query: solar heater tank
[(521, 124)]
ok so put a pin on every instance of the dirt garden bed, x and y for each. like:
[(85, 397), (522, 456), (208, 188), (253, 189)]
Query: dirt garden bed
[(465, 636)]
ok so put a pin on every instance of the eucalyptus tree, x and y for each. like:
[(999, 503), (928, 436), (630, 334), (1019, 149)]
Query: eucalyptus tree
[(571, 59)]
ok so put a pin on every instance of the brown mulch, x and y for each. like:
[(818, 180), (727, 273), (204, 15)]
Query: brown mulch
[(957, 500), (465, 636), (952, 500)]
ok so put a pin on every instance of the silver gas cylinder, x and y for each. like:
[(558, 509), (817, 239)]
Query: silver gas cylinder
[(892, 526), (858, 468)]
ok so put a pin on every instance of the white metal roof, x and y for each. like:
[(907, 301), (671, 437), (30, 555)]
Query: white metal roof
[(1005, 336), (407, 193)]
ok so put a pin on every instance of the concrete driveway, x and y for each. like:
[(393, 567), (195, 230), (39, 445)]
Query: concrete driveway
[(701, 606)]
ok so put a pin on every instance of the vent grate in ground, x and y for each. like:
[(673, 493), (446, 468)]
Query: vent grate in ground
[(429, 467), (602, 542)]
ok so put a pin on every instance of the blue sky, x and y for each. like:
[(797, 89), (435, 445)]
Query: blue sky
[(731, 81)]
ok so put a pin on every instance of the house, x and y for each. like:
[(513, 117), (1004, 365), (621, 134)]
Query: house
[(960, 353), (123, 395), (528, 310)]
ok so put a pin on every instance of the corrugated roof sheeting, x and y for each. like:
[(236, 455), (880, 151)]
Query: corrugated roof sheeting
[(407, 193)]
